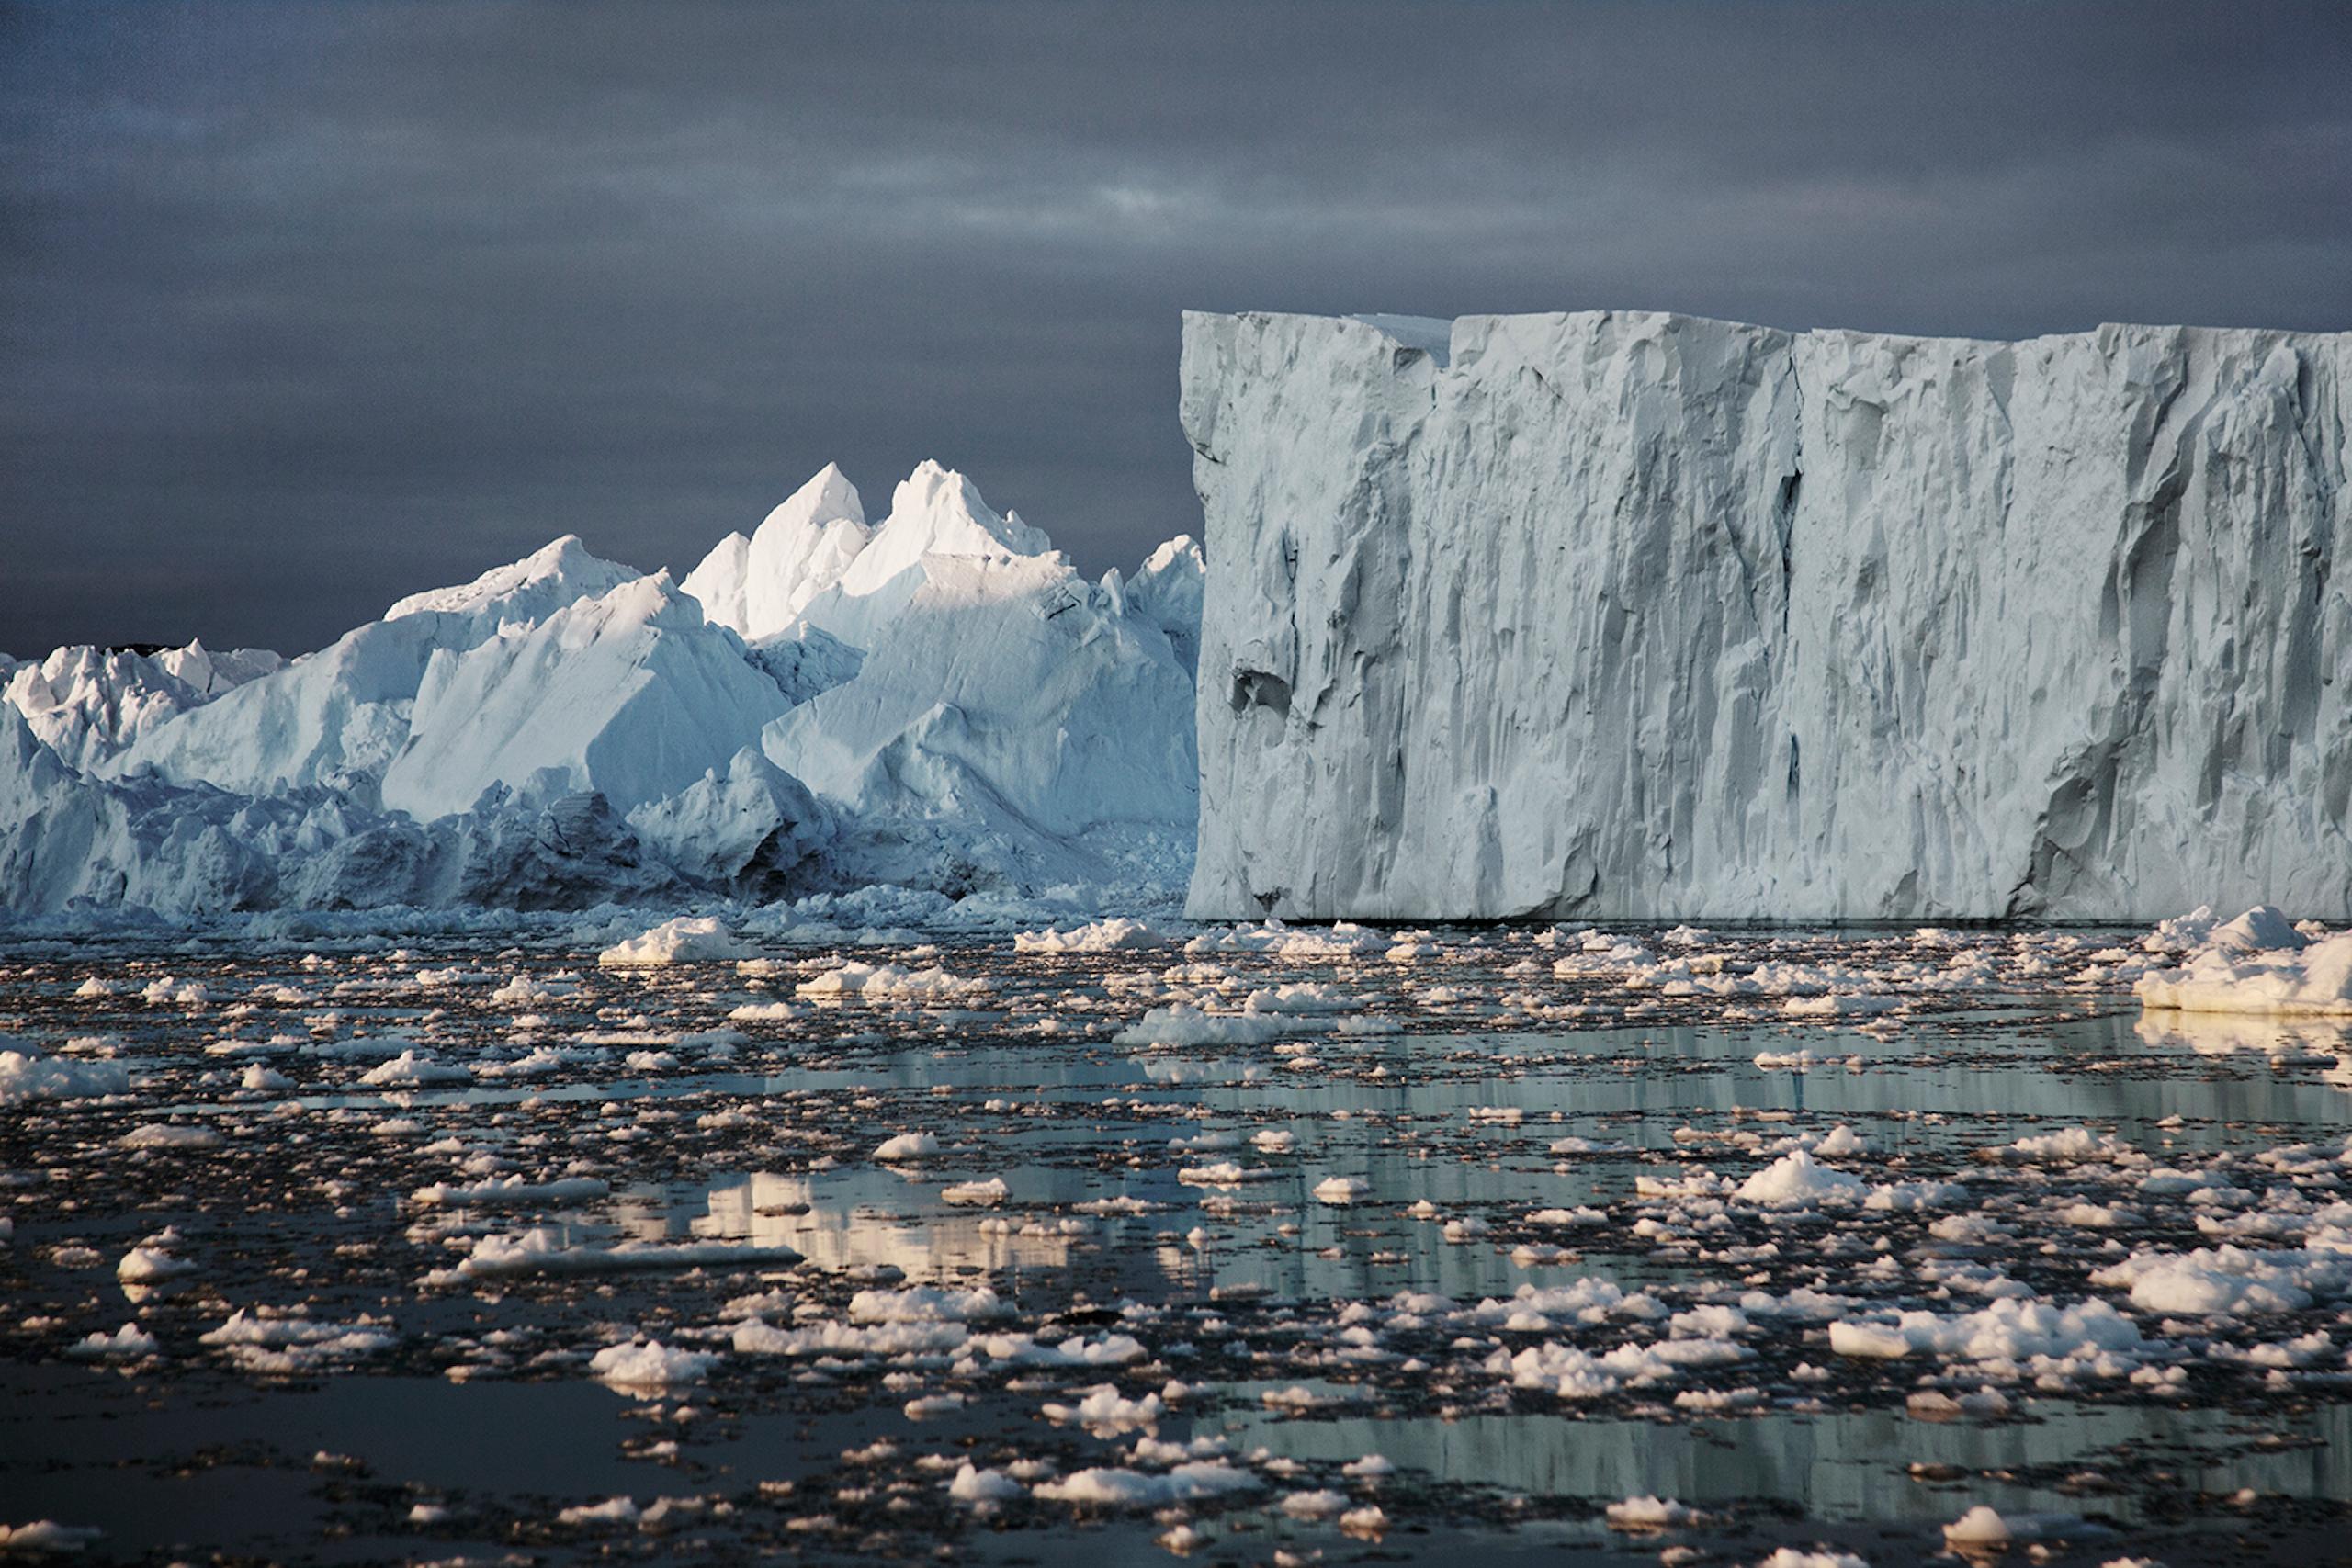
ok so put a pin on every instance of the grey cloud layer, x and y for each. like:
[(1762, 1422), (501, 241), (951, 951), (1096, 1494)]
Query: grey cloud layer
[(305, 307)]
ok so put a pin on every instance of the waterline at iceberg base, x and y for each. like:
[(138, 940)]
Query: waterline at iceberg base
[(1620, 615)]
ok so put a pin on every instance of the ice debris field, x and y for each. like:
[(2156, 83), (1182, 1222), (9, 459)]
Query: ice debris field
[(885, 1228)]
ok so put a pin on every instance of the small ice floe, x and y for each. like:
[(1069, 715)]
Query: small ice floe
[(1797, 1557), (508, 1189), (127, 1343), (1181, 1024), (44, 1536), (650, 1366), (178, 1136), (1222, 1173), (413, 1069), (687, 940), (977, 1194), (2067, 1145), (611, 1511), (927, 1304), (260, 1079), (1982, 1526), (1339, 940), (542, 1250), (974, 1485), (907, 1146), (1104, 1408), (2233, 1280), (1797, 1178), (24, 1074), (889, 982), (1315, 1506), (290, 1344), (1342, 1190), (154, 1259), (1119, 1488), (1115, 935), (1646, 1513), (2258, 962), (2089, 1336), (1806, 1060)]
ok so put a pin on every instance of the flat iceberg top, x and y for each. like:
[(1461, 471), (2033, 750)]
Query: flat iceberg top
[(1434, 335), (1442, 337)]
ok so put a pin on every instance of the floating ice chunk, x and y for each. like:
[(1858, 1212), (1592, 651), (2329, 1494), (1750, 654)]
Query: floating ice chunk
[(887, 982), (2314, 981), (413, 1069), (1119, 1488), (1115, 935), (2011, 1329), (1342, 1189), (1104, 1409), (2212, 1281), (1319, 1504), (971, 1485), (1222, 1173), (509, 1190), (127, 1342), (542, 1250), (1797, 1178), (1645, 1513), (977, 1193), (153, 1259), (291, 1345), (649, 1365), (45, 1536), (1796, 1557), (169, 1135), (907, 1146), (688, 939), (611, 1511), (2067, 1144), (1182, 1024), (27, 1075), (1982, 1526), (927, 1304)]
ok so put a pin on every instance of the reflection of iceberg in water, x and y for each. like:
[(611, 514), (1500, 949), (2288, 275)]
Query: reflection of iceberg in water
[(841, 1225), (2224, 1034), (1834, 1465)]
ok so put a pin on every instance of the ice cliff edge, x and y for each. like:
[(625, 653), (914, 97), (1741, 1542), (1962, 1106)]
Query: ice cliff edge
[(1634, 615)]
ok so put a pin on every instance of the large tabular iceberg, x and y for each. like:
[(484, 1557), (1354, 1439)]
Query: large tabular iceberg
[(1637, 614), (939, 701)]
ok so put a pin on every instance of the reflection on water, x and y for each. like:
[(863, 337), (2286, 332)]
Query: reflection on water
[(1173, 1197)]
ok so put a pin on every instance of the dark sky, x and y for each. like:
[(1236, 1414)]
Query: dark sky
[(304, 308)]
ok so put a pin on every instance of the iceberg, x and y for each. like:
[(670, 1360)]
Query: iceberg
[(939, 702), (1628, 614)]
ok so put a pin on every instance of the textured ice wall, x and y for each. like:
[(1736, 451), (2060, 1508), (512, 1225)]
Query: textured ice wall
[(1619, 614)]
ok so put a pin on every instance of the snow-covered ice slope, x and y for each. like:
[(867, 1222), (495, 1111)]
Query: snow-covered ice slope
[(89, 703), (1007, 710), (1638, 614)]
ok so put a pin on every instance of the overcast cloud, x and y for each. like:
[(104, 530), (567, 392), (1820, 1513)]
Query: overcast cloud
[(302, 309)]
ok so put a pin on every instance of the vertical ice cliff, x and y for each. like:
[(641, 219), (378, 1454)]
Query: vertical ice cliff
[(1636, 615)]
